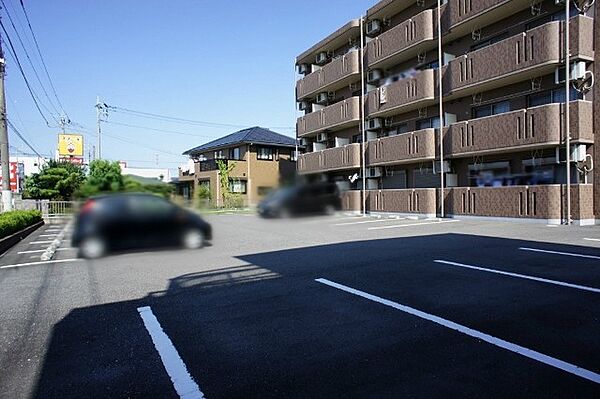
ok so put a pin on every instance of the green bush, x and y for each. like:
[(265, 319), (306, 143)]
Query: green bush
[(233, 201), (13, 221)]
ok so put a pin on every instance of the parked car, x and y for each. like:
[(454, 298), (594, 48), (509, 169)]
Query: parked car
[(126, 221), (303, 199)]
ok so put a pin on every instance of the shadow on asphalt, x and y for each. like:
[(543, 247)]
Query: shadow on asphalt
[(268, 329)]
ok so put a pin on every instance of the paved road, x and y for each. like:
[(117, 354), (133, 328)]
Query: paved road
[(321, 307)]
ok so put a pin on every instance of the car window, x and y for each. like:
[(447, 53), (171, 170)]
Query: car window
[(150, 206)]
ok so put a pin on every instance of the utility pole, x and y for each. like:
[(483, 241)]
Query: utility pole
[(567, 110), (98, 111), (4, 154)]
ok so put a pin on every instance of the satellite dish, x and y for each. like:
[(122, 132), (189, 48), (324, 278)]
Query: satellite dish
[(353, 178)]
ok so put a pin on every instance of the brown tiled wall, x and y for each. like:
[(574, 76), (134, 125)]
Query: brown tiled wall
[(421, 201)]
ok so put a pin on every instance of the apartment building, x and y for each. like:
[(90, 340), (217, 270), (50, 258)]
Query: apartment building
[(502, 116), (262, 161)]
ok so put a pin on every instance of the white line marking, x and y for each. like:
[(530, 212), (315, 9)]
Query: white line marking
[(592, 239), (39, 242), (183, 382), (559, 253), (411, 224), (369, 221), (37, 251), (540, 357), (39, 263), (48, 235), (540, 279)]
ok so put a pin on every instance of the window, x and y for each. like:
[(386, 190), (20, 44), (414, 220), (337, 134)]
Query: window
[(552, 96), (429, 65), (491, 174), (264, 153), (429, 123), (491, 109), (219, 154), (237, 186), (263, 190), (234, 153), (357, 138)]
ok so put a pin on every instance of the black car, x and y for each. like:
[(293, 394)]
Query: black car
[(303, 199), (125, 221)]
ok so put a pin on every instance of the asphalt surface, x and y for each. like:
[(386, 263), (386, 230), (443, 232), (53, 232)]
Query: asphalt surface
[(246, 316)]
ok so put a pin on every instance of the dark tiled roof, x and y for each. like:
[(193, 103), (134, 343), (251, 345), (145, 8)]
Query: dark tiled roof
[(254, 135)]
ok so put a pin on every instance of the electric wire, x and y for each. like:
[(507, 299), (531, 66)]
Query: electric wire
[(10, 19), (141, 145), (23, 139), (158, 130), (37, 46), (20, 67)]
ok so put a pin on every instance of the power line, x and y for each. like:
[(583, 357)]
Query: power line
[(42, 58), (141, 145), (29, 58), (16, 58), (157, 130), (16, 131), (150, 115)]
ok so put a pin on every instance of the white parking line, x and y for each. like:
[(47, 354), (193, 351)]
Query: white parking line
[(329, 219), (39, 263), (559, 253), (369, 221), (411, 224), (48, 235), (183, 382), (40, 242), (37, 251), (592, 239), (540, 279), (540, 357)]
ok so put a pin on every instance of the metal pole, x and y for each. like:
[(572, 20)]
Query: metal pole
[(4, 154), (441, 109), (362, 116), (98, 111), (567, 116)]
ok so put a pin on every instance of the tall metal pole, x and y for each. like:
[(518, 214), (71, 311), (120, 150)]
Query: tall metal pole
[(362, 116), (4, 154), (567, 115), (98, 113), (441, 106)]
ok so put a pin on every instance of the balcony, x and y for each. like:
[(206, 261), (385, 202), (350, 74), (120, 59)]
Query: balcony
[(530, 54), (529, 128), (334, 117), (403, 148), (351, 200), (403, 95), (537, 202), (337, 74), (331, 159), (418, 201), (393, 46)]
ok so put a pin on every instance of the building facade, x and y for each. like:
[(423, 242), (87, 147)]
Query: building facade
[(262, 161), (502, 115)]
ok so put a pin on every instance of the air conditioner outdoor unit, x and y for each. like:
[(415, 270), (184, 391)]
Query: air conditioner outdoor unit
[(304, 69), (321, 137), (322, 98), (375, 123), (436, 167), (304, 106), (321, 58), (577, 71), (578, 153), (374, 172), (302, 142), (374, 75), (373, 28)]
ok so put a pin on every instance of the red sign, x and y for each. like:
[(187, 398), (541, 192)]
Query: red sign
[(75, 160), (16, 176)]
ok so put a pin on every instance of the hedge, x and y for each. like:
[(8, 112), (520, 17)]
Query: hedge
[(14, 221)]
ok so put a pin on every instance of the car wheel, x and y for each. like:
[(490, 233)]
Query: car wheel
[(193, 239), (92, 247), (329, 210)]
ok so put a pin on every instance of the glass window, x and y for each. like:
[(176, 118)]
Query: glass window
[(488, 42), (552, 96), (264, 153), (237, 186), (491, 109), (429, 123), (357, 138), (234, 153)]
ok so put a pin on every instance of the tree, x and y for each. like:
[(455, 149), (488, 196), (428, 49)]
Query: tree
[(224, 171), (56, 181), (104, 177)]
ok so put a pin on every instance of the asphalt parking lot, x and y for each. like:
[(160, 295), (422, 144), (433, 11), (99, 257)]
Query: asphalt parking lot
[(336, 306)]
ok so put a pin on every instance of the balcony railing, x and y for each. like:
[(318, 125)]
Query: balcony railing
[(518, 57), (337, 116), (338, 73), (406, 147), (421, 201), (459, 11), (542, 202), (395, 42), (534, 127), (403, 95), (339, 158), (351, 200)]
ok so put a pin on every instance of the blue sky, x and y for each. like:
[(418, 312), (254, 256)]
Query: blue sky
[(226, 61)]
